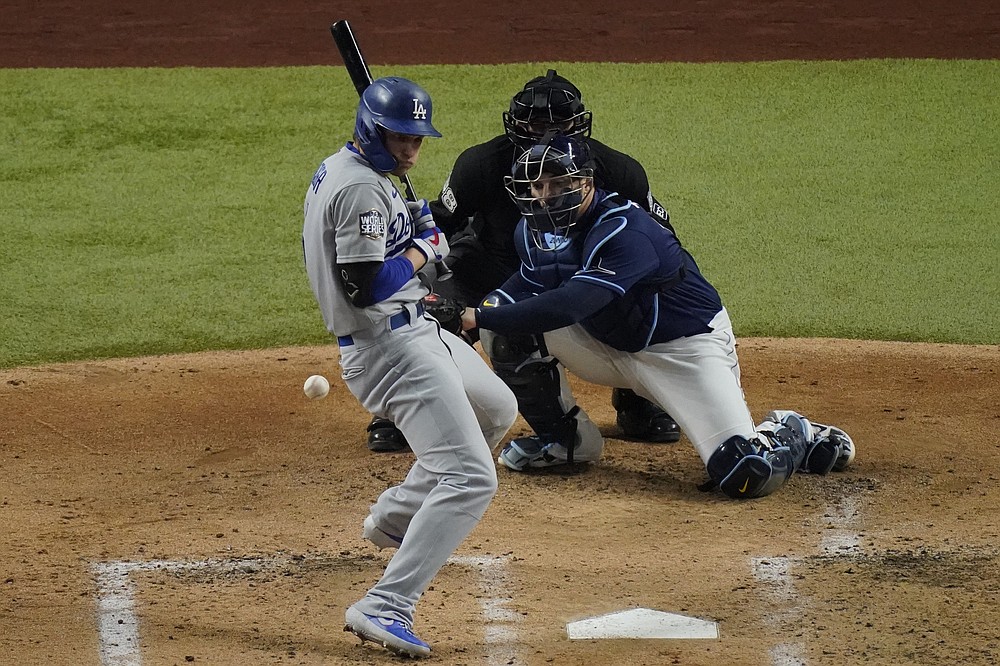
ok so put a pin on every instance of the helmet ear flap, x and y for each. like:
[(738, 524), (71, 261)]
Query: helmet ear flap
[(371, 141)]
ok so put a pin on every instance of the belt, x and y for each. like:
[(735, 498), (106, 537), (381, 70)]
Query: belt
[(401, 318)]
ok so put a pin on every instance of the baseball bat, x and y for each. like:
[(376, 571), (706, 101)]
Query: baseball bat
[(361, 77)]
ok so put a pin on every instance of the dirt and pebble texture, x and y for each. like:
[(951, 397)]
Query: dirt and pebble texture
[(219, 457), (237, 502)]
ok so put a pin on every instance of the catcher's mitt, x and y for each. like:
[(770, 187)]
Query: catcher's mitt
[(448, 312)]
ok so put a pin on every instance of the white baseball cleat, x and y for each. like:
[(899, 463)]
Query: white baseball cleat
[(531, 452), (519, 453)]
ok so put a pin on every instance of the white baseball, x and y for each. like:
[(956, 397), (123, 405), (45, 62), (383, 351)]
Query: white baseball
[(316, 387)]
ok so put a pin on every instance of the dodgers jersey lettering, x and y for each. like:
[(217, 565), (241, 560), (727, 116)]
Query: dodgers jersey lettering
[(345, 223), (660, 293)]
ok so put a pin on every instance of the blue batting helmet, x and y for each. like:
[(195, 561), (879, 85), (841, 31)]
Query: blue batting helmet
[(395, 104)]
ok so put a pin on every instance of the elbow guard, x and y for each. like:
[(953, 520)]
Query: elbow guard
[(370, 282), (358, 280)]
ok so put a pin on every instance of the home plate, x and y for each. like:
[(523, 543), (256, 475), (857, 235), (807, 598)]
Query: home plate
[(642, 623)]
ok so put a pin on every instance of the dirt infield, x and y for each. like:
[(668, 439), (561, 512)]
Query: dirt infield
[(198, 509), (234, 33)]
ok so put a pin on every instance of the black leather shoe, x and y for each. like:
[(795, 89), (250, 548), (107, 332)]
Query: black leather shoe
[(640, 419), (385, 437)]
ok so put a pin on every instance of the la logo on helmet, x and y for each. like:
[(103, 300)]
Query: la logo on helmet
[(419, 111)]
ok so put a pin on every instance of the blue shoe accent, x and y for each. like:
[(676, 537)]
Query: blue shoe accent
[(393, 635)]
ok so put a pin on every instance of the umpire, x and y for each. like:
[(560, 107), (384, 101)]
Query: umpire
[(479, 218)]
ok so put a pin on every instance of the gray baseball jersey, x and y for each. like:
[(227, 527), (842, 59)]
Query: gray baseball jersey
[(399, 364), (354, 213)]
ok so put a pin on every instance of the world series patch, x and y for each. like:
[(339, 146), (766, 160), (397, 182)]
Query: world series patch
[(372, 224)]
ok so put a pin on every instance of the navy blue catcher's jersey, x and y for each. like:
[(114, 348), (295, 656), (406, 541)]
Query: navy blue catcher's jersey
[(660, 294)]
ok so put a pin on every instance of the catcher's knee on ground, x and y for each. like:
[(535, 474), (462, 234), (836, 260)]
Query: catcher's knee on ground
[(745, 468), (563, 434), (786, 442)]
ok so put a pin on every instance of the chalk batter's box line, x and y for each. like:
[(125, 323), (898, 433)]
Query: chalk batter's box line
[(118, 621)]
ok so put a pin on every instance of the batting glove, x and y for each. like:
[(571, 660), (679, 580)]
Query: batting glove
[(432, 244), (420, 213)]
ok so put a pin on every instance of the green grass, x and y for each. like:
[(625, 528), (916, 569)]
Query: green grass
[(159, 210)]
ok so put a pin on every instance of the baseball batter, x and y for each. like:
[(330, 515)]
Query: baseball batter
[(363, 246), (622, 303), (479, 218)]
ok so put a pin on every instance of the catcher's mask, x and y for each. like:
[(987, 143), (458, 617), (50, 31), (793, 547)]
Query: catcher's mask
[(550, 183), (396, 104), (546, 103)]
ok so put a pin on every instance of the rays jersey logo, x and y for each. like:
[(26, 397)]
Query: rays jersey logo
[(554, 241), (371, 224)]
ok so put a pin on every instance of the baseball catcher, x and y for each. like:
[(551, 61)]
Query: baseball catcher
[(611, 292)]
